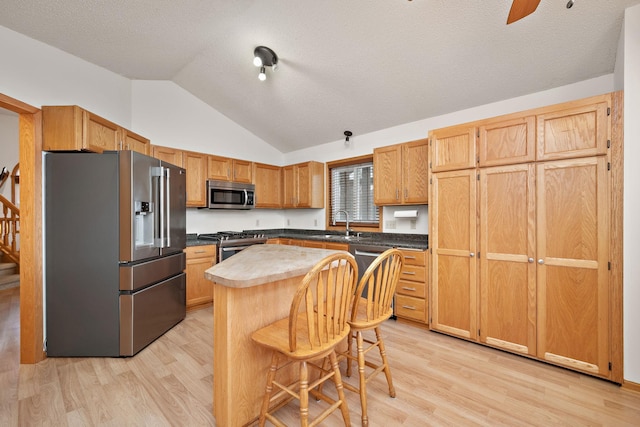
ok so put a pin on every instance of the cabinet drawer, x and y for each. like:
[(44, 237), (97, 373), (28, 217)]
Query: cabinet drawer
[(411, 308), (200, 251), (414, 257), (414, 289), (414, 273)]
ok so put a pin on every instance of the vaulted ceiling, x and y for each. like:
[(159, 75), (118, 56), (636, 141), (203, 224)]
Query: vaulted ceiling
[(360, 65)]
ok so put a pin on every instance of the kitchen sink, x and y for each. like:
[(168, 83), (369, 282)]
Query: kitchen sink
[(340, 237)]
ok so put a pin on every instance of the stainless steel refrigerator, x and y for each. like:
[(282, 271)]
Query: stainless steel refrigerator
[(115, 230)]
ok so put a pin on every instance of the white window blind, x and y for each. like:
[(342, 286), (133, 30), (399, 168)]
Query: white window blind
[(352, 191)]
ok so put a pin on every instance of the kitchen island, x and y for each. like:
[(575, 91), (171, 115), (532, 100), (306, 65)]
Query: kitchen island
[(250, 290)]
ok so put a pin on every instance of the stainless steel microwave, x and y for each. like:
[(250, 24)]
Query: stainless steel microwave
[(230, 195)]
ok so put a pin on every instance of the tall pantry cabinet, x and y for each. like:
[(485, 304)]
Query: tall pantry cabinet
[(521, 234)]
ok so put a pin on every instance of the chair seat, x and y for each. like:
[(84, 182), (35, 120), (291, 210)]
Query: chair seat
[(276, 337), (361, 321)]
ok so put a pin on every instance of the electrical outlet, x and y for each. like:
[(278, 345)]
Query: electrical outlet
[(288, 222), (315, 222), (412, 224), (391, 225), (257, 223)]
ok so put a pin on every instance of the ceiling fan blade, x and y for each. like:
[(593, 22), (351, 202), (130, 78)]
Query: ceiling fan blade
[(521, 8)]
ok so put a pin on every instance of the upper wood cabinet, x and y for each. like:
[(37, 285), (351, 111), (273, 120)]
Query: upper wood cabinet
[(400, 173), (196, 166), (228, 169), (167, 154), (502, 142), (268, 182), (303, 185), (70, 127), (575, 129), (453, 148), (133, 141)]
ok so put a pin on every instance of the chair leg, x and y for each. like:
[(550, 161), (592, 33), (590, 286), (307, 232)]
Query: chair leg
[(304, 394), (268, 389), (337, 378), (363, 379), (385, 362), (349, 352)]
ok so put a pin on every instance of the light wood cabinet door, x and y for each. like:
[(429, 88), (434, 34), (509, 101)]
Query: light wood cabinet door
[(415, 166), (387, 176), (199, 289), (289, 187), (268, 182), (196, 166), (572, 251), (99, 134), (219, 168), (167, 154), (242, 171), (579, 129), (453, 240), (453, 148), (133, 141), (507, 258), (509, 141)]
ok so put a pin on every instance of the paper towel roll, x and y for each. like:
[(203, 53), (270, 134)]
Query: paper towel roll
[(406, 214)]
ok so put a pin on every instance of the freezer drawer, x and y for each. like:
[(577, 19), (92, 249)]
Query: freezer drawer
[(147, 314), (136, 276)]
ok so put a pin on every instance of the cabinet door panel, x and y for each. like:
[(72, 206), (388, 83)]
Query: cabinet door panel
[(387, 174), (573, 242), (507, 243), (414, 172), (574, 132), (100, 134), (242, 171), (453, 239), (219, 168), (453, 148), (268, 182), (506, 142), (196, 166)]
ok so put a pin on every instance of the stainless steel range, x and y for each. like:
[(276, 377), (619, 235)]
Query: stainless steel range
[(231, 242)]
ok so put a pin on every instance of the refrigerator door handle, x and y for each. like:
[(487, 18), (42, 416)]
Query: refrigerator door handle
[(167, 206), (162, 207)]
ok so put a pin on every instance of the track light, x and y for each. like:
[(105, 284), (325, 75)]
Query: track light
[(264, 57), (347, 134)]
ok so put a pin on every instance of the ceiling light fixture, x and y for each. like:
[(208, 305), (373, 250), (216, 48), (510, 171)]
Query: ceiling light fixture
[(264, 57), (347, 134)]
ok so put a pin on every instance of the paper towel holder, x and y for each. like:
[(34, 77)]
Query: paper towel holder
[(406, 214)]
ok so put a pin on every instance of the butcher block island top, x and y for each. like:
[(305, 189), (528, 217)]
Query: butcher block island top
[(252, 289), (260, 264)]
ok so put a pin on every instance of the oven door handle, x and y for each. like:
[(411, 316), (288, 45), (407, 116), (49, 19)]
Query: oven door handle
[(233, 248)]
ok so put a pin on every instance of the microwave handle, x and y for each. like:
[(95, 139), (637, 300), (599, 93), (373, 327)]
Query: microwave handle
[(246, 197)]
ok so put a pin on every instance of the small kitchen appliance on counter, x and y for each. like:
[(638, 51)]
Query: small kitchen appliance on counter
[(230, 243), (115, 227)]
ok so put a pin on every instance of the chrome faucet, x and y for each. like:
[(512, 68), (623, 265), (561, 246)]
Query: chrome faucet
[(346, 214)]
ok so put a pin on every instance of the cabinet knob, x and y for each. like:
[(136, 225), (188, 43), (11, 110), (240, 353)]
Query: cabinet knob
[(472, 254), (540, 261), (530, 260)]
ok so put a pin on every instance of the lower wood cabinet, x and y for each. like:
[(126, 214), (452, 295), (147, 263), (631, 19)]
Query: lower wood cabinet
[(411, 292), (199, 289)]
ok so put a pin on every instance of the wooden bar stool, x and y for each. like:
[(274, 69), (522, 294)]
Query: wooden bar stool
[(371, 307), (317, 323)]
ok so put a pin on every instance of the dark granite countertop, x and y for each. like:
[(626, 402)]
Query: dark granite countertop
[(412, 241)]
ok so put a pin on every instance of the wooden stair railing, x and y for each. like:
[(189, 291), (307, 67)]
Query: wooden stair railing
[(9, 230)]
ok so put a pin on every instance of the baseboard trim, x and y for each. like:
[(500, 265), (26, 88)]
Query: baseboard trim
[(630, 385)]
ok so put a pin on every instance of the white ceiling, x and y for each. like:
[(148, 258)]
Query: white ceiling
[(360, 65)]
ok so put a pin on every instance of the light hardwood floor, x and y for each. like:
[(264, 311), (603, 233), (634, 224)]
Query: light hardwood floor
[(439, 381)]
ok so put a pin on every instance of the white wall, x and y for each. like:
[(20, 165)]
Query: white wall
[(631, 199), (9, 154), (39, 74)]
